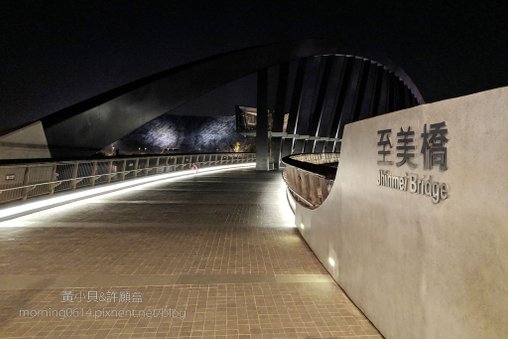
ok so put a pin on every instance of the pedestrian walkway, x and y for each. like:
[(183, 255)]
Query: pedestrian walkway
[(210, 256)]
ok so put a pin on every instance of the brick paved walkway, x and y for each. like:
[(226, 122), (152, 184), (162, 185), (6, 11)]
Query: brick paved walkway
[(212, 256)]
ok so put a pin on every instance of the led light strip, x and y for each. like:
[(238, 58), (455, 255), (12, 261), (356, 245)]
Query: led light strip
[(32, 207)]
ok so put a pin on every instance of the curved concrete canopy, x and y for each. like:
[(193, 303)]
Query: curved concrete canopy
[(88, 126)]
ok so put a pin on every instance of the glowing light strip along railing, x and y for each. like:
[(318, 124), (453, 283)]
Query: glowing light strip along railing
[(9, 213), (24, 181)]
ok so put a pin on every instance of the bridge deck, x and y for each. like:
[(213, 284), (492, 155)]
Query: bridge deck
[(213, 255)]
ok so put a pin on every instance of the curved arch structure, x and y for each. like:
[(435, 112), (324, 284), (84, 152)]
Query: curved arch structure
[(85, 128)]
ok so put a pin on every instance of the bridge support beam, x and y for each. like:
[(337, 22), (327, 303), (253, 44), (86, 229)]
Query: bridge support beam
[(262, 141), (278, 114)]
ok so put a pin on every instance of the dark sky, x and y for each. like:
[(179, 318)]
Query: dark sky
[(56, 53)]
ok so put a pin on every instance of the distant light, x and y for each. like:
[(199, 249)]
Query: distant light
[(331, 261), (302, 226)]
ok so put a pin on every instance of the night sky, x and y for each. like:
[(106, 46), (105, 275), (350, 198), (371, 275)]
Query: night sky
[(57, 53)]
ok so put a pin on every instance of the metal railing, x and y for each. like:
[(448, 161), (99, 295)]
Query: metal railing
[(316, 158), (24, 181), (310, 177)]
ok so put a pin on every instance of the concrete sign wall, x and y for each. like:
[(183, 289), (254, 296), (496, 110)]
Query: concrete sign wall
[(415, 229)]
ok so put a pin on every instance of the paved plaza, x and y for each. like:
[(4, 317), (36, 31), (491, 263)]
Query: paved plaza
[(211, 256)]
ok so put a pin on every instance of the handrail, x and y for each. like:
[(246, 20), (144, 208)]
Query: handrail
[(87, 177), (23, 181)]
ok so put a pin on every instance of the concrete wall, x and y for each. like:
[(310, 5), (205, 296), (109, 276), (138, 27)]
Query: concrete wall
[(418, 269), (25, 143)]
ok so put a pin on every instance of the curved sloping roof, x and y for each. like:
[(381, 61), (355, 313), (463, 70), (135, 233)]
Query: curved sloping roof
[(94, 123)]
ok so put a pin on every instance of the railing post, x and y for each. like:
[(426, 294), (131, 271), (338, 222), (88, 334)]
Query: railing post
[(147, 166), (54, 176), (26, 180), (166, 165), (157, 165), (94, 172), (75, 176), (124, 168), (136, 163), (110, 174)]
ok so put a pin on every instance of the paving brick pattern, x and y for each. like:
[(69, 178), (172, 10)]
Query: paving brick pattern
[(212, 256)]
